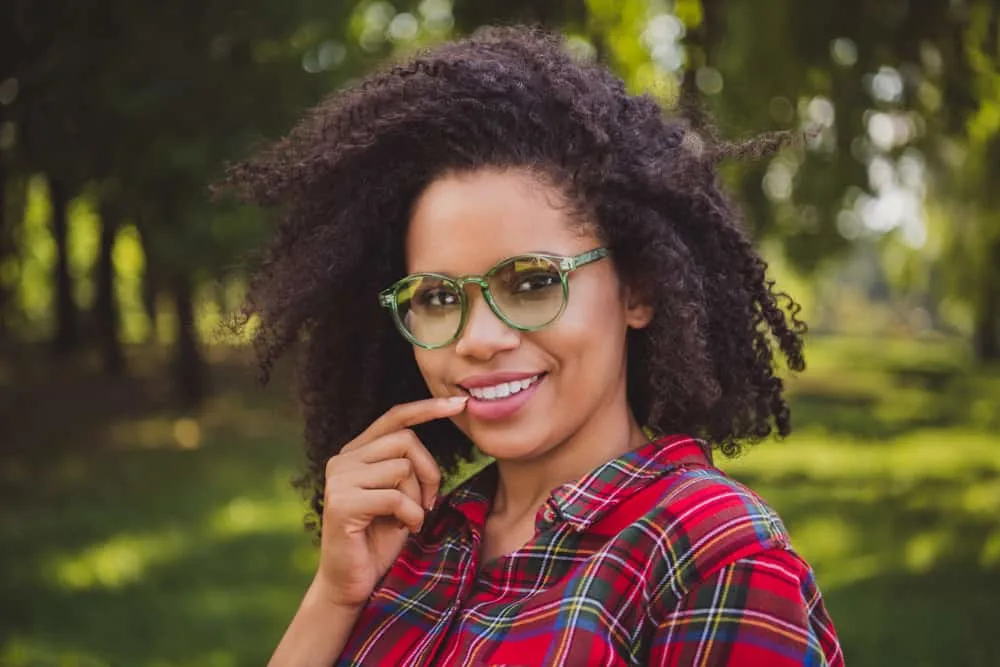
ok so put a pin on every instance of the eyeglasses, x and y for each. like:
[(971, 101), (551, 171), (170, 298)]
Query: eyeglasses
[(527, 292)]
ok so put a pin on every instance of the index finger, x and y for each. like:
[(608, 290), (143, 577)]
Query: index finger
[(406, 415)]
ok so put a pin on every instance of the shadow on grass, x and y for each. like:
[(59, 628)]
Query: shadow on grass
[(911, 399), (910, 570), (945, 617), (224, 602), (135, 533), (164, 557)]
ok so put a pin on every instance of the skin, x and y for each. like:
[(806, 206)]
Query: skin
[(380, 484), (464, 223), (377, 488)]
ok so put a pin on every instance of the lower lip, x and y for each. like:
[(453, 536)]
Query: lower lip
[(501, 408)]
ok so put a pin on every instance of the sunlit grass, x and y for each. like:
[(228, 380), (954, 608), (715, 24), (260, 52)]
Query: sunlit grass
[(174, 539), (116, 562), (911, 458)]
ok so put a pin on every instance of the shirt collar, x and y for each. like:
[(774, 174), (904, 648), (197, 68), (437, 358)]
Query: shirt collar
[(586, 500), (583, 502), (473, 498)]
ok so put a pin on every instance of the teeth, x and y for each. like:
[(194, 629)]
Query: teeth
[(502, 390)]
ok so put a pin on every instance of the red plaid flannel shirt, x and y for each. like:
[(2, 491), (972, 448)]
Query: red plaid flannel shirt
[(654, 558)]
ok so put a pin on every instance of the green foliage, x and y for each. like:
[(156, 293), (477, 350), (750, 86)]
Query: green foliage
[(905, 99)]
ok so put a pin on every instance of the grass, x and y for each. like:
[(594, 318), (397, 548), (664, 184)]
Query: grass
[(134, 535)]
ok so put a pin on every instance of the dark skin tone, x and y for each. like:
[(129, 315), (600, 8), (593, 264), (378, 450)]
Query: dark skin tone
[(606, 168), (345, 182), (379, 486), (579, 417)]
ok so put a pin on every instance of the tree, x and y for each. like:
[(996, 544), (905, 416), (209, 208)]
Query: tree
[(894, 87), (145, 102), (106, 311), (970, 120)]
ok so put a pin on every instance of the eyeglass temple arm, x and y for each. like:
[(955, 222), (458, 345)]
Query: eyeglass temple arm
[(573, 263)]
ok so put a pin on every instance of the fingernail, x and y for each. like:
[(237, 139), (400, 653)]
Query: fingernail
[(458, 399)]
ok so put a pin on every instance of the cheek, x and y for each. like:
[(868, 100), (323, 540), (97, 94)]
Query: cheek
[(597, 311), (592, 328)]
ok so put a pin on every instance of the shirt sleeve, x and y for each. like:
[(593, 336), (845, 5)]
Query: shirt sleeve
[(761, 610)]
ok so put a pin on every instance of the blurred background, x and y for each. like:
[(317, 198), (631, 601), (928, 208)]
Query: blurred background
[(146, 516)]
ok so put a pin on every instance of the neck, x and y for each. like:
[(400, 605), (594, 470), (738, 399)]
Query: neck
[(523, 486)]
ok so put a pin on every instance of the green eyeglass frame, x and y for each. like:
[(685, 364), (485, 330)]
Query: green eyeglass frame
[(388, 298)]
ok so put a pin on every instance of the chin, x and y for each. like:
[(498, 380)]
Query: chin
[(508, 444)]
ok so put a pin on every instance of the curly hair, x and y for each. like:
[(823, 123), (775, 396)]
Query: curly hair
[(345, 181)]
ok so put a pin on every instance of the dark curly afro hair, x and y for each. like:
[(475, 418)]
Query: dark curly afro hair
[(346, 178)]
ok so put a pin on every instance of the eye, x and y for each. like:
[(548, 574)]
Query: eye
[(533, 281), (436, 297)]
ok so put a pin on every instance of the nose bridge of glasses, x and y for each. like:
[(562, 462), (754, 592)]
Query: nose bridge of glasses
[(473, 305), (472, 280)]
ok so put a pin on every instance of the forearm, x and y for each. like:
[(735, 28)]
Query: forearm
[(317, 633)]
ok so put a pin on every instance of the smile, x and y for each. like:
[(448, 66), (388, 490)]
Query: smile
[(502, 390)]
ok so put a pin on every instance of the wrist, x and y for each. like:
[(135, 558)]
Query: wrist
[(319, 631), (322, 594)]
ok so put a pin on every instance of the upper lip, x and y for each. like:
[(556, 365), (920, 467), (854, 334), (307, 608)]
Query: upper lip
[(491, 379)]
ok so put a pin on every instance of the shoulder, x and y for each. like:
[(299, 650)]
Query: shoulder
[(701, 522), (763, 609)]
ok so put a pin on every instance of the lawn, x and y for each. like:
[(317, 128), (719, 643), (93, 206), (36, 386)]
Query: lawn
[(133, 535)]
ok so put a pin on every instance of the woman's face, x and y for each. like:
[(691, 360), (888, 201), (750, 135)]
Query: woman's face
[(464, 224)]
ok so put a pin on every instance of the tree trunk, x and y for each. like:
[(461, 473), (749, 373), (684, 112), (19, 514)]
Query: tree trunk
[(701, 45), (986, 337), (67, 335), (5, 236), (106, 304), (13, 199), (190, 372)]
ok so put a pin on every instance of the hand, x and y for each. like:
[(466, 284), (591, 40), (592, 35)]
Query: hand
[(377, 490)]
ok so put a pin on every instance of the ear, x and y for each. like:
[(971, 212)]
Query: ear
[(638, 313)]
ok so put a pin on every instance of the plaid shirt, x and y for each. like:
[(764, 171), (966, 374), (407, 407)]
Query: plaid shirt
[(654, 558)]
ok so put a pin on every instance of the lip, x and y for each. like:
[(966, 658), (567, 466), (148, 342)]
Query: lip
[(490, 379), (502, 408)]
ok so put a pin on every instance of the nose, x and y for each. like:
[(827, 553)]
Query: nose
[(484, 334)]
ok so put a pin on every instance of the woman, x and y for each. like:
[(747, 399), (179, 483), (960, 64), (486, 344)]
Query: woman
[(495, 247)]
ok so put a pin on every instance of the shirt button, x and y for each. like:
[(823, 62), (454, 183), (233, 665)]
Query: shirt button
[(549, 515)]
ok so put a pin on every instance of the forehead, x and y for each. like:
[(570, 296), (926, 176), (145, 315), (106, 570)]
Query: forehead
[(466, 222)]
